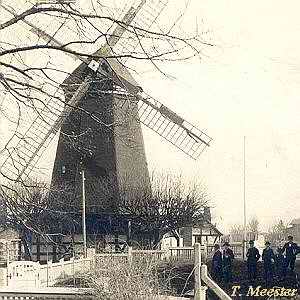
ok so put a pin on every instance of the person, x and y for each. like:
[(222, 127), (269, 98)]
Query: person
[(252, 258), (268, 259), (290, 249), (280, 264), (228, 256), (217, 271)]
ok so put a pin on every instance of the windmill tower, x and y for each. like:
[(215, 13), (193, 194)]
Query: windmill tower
[(100, 124), (109, 147)]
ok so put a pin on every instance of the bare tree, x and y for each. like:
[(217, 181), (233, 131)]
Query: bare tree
[(253, 227), (169, 205), (34, 64), (277, 232), (29, 211), (32, 69), (236, 233)]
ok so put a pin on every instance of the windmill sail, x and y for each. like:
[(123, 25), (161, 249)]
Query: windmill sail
[(153, 114), (189, 139)]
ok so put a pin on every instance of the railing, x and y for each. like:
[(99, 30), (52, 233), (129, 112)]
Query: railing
[(187, 253), (22, 273), (57, 293), (45, 293), (237, 248), (157, 255), (181, 254), (30, 273)]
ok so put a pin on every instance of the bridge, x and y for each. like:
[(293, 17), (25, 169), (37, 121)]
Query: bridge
[(23, 279)]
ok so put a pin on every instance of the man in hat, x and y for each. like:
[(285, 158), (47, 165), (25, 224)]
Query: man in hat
[(268, 259), (290, 249), (228, 256), (252, 259), (217, 270)]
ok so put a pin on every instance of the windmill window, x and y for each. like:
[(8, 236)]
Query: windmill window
[(63, 169), (104, 67)]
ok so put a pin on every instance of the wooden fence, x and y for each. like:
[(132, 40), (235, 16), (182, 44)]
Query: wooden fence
[(45, 293), (237, 248), (187, 253), (57, 294), (33, 274), (28, 273)]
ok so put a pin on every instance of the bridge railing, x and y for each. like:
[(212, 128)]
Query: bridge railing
[(33, 274), (45, 293)]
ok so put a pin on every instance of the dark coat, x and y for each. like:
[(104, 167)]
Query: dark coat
[(228, 256), (291, 249), (268, 256), (280, 263), (252, 255), (217, 261)]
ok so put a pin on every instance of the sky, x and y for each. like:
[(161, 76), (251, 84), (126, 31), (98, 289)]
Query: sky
[(246, 85)]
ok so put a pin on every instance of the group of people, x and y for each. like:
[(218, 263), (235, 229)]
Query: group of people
[(273, 263)]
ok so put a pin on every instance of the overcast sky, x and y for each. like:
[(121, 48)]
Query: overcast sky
[(244, 86), (247, 86)]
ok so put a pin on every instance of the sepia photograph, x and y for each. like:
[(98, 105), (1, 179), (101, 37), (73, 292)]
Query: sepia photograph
[(149, 149)]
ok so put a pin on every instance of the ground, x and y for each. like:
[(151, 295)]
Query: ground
[(181, 280)]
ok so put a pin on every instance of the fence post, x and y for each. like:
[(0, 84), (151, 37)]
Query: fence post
[(7, 254), (37, 274), (129, 255), (205, 252), (4, 277), (199, 291), (61, 265)]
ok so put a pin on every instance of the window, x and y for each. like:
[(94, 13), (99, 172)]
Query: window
[(63, 169)]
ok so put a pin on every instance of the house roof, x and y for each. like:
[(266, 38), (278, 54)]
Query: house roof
[(208, 225)]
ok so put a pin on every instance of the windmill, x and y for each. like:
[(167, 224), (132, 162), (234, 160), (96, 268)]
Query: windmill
[(107, 85)]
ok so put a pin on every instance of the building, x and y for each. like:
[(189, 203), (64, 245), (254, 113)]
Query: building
[(105, 141), (203, 232), (10, 245)]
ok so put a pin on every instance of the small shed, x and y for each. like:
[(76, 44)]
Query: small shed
[(204, 232)]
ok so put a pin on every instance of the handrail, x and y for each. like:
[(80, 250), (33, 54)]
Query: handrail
[(211, 284), (181, 248)]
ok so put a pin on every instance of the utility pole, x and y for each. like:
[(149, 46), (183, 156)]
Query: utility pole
[(245, 216), (83, 213)]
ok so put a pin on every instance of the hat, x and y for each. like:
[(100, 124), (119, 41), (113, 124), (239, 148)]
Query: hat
[(226, 244), (251, 242), (267, 243), (216, 246)]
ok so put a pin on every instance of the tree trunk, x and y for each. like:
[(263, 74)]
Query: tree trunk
[(27, 254), (157, 238)]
